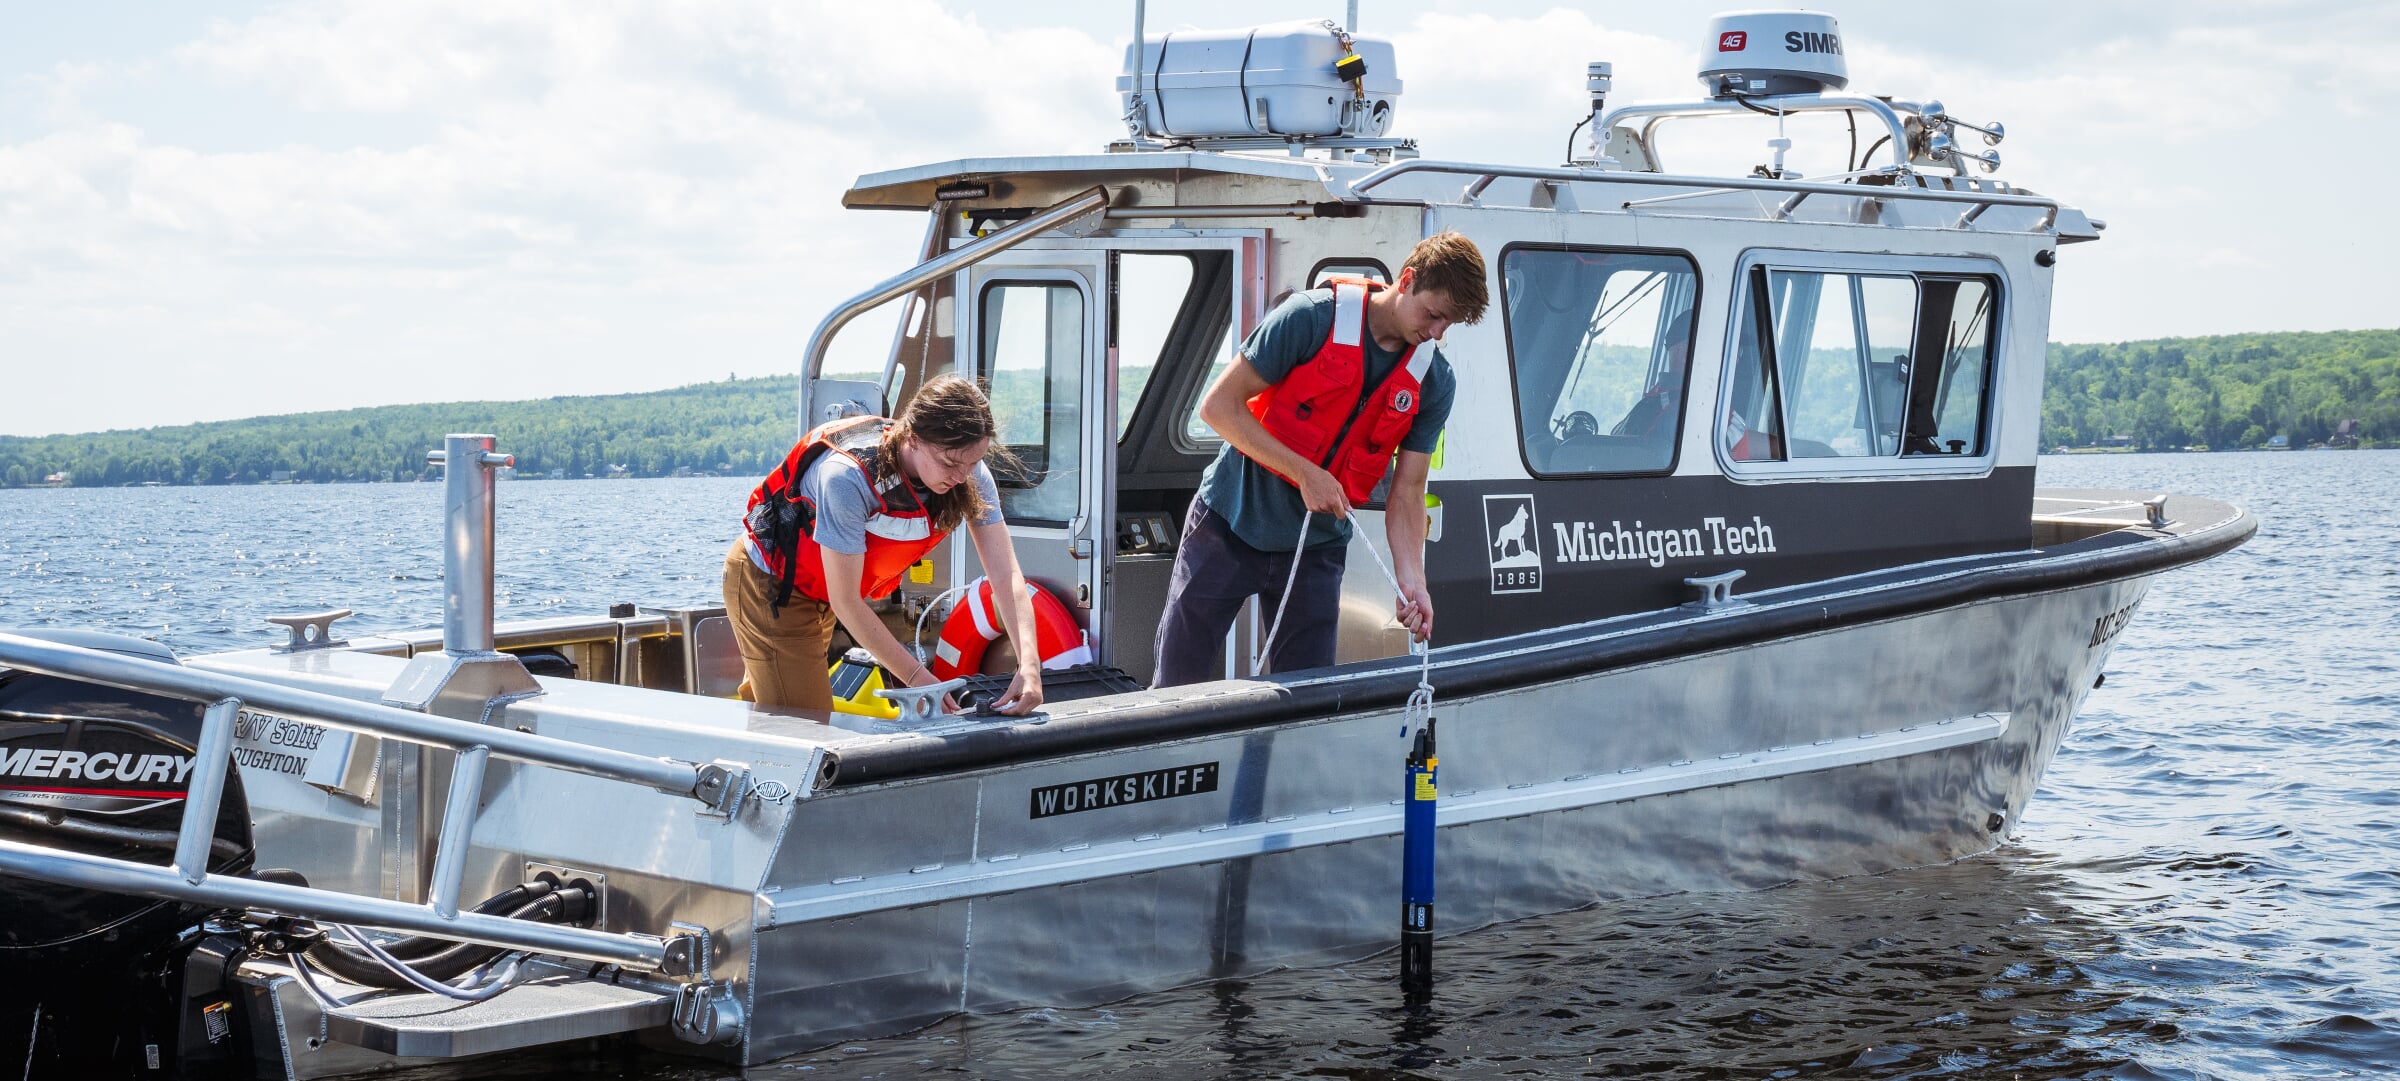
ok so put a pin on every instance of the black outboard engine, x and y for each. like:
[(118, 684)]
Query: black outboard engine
[(97, 984)]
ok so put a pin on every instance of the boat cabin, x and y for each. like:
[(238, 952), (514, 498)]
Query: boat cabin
[(1680, 377)]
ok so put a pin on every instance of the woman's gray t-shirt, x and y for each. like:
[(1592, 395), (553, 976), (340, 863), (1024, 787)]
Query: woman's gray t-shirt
[(844, 501)]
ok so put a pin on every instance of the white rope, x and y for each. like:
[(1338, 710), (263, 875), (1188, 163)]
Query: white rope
[(1420, 701), (1258, 652), (918, 646)]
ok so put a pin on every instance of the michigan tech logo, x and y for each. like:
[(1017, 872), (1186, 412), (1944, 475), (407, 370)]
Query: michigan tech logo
[(1512, 537)]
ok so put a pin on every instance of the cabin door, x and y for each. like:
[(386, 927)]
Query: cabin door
[(1036, 335)]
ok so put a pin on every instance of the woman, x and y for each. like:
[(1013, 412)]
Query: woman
[(843, 518)]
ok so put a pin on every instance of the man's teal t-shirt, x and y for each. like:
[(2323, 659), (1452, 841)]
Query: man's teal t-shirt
[(1263, 509)]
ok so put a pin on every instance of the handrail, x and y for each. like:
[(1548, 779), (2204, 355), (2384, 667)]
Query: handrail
[(1781, 103), (187, 878), (947, 263), (69, 868), (1356, 191), (175, 681)]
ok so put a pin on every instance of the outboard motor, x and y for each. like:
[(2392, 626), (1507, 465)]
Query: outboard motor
[(108, 984)]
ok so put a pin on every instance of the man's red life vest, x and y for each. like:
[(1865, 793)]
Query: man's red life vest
[(1308, 409), (782, 523)]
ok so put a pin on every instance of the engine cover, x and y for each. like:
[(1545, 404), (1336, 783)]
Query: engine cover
[(100, 771)]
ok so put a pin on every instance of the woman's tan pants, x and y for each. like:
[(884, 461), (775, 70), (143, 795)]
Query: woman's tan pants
[(783, 657)]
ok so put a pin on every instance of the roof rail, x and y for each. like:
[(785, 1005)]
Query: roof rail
[(1485, 173)]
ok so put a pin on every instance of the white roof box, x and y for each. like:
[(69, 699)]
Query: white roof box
[(1274, 80), (1773, 52)]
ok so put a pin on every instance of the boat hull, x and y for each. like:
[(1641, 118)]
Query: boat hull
[(882, 875), (1854, 750)]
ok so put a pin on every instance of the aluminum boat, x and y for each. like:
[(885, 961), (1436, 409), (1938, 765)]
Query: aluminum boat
[(1742, 572)]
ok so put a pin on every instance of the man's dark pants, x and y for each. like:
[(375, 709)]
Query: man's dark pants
[(1215, 571)]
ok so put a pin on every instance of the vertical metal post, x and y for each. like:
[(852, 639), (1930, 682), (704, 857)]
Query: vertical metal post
[(467, 462), (458, 824), (1351, 26), (1138, 117), (207, 790), (399, 796), (1416, 867)]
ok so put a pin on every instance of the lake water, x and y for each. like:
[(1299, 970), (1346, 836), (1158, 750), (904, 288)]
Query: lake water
[(2207, 886)]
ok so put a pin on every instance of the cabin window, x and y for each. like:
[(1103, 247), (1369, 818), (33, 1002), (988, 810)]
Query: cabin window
[(1599, 344), (1822, 366), (1032, 359), (1151, 289), (1370, 269)]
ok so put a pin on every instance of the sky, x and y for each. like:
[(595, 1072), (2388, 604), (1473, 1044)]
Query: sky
[(217, 211)]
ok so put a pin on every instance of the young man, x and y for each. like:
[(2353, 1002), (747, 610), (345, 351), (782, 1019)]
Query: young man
[(1334, 388)]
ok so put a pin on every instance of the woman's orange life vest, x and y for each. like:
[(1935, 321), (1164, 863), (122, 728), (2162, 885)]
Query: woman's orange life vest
[(782, 523), (1324, 411)]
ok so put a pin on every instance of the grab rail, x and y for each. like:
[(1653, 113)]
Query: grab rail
[(940, 266), (719, 785), (1486, 173)]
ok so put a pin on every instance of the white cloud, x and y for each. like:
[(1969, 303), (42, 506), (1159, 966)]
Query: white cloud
[(690, 155), (586, 197)]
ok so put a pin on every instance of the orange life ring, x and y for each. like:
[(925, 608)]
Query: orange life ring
[(974, 625)]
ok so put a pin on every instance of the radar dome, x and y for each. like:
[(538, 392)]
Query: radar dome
[(1773, 52)]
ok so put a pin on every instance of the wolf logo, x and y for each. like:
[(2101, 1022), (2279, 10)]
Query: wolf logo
[(1512, 532)]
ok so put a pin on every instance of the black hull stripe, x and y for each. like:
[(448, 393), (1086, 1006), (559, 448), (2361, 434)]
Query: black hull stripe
[(2204, 528)]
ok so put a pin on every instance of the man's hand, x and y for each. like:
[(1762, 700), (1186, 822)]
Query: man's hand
[(1322, 493), (1414, 609), (1404, 525), (1024, 693)]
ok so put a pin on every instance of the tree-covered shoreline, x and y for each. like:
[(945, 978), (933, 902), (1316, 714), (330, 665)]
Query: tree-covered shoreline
[(2234, 391), (741, 427), (2226, 392)]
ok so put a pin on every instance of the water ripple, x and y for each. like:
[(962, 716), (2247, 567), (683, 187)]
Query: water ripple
[(2205, 888)]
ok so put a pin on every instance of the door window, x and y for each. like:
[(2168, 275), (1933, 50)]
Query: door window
[(1950, 418), (1151, 291), (1837, 338), (1032, 360)]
